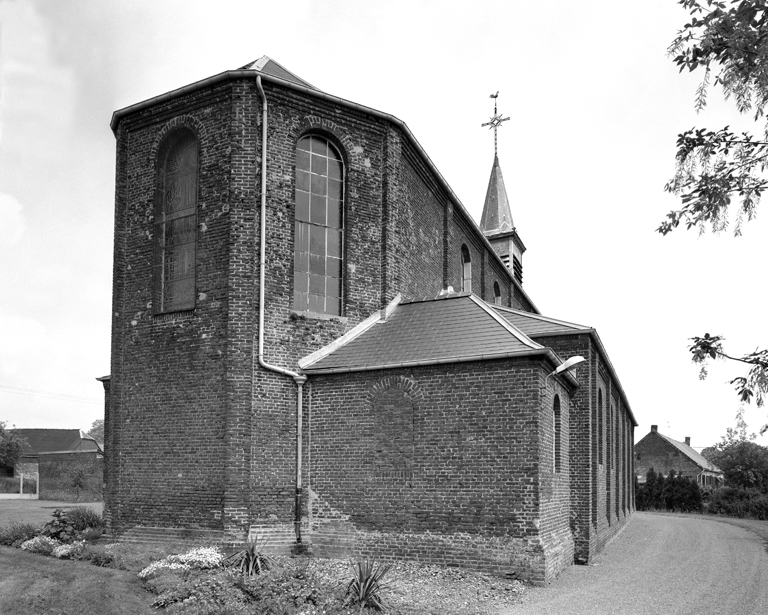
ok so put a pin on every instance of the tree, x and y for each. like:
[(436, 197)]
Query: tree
[(97, 431), (715, 167), (743, 462), (11, 446)]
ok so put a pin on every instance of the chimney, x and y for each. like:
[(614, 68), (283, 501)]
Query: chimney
[(687, 440), (654, 429)]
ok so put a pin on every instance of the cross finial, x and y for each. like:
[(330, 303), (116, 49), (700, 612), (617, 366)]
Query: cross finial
[(494, 123)]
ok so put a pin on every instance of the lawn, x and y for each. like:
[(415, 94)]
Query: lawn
[(34, 585), (37, 511)]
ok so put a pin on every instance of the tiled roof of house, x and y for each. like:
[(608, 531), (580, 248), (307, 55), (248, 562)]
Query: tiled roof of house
[(57, 441), (447, 329), (697, 458), (536, 324)]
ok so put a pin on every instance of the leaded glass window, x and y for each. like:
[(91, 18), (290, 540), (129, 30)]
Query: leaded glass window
[(466, 270), (318, 241), (176, 224)]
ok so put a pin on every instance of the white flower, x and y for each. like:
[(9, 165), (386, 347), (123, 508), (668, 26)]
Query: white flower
[(201, 558)]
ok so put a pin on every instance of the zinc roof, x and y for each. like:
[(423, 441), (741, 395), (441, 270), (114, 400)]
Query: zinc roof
[(447, 329)]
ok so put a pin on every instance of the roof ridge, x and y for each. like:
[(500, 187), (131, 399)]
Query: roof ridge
[(565, 323), (522, 337)]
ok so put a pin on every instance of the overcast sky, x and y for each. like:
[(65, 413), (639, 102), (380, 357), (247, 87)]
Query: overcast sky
[(595, 107)]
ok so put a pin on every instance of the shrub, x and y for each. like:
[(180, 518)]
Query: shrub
[(101, 555), (738, 502), (211, 589), (82, 518), (72, 550), (17, 532), (251, 560), (365, 587), (675, 492), (40, 544)]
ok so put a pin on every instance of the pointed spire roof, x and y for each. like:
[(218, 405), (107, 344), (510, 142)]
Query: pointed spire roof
[(497, 216)]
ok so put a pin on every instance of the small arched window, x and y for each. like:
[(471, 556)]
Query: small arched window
[(496, 293), (466, 270), (175, 235), (556, 415), (318, 240)]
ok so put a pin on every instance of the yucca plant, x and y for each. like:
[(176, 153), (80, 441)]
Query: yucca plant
[(252, 560), (365, 587)]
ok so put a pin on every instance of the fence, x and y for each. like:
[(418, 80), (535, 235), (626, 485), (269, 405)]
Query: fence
[(21, 495)]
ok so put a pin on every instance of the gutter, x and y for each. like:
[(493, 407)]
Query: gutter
[(546, 352), (250, 74), (299, 379)]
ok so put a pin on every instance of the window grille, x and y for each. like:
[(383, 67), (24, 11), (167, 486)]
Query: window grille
[(318, 240)]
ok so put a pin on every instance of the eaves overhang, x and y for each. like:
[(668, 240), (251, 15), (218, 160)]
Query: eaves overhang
[(604, 354), (543, 352), (253, 74)]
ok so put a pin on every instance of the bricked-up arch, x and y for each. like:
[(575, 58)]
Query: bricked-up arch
[(394, 404), (466, 270), (175, 228), (319, 222), (558, 424)]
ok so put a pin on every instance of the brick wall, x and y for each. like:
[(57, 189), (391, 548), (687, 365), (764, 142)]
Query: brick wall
[(602, 489), (450, 464), (71, 477)]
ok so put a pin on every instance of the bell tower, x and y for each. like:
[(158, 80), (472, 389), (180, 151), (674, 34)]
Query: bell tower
[(496, 221)]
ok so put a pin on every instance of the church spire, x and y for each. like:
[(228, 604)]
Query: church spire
[(496, 221), (497, 216)]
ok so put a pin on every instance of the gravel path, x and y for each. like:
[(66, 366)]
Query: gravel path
[(663, 564)]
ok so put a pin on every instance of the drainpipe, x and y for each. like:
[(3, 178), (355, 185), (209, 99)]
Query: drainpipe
[(299, 379)]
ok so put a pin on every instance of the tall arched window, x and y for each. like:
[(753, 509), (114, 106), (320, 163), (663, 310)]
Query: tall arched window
[(600, 420), (175, 223), (496, 293), (318, 245), (466, 270), (558, 432)]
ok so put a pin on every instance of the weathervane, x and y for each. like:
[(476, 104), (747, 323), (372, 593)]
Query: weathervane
[(495, 122)]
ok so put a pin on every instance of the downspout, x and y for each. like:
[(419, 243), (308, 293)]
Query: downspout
[(299, 379)]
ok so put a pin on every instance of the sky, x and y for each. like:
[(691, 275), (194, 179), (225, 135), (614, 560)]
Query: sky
[(595, 106)]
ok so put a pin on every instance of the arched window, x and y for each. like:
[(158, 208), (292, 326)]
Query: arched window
[(496, 293), (600, 420), (318, 241), (558, 433), (175, 223), (466, 270)]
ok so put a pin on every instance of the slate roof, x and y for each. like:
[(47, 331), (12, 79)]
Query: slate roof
[(448, 329), (268, 66), (497, 216), (57, 441), (697, 458), (536, 324)]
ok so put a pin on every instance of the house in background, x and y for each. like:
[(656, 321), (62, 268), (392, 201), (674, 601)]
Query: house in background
[(69, 463), (663, 454)]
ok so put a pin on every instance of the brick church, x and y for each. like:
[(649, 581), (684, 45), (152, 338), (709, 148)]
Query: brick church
[(314, 342)]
